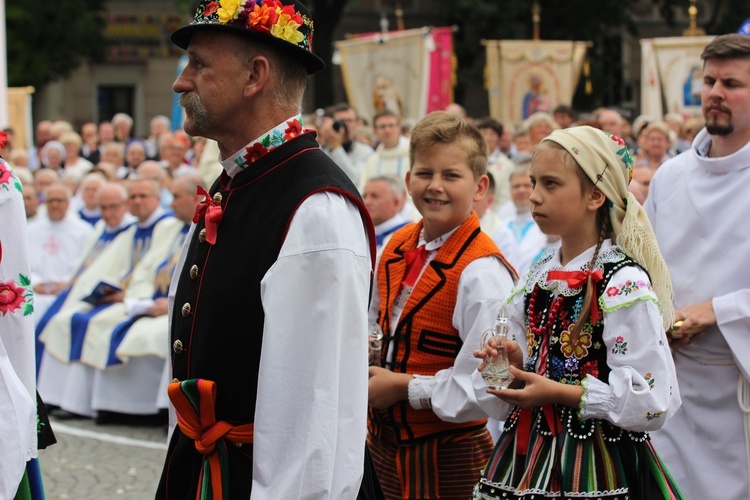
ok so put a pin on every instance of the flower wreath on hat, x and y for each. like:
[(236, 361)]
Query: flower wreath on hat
[(266, 16)]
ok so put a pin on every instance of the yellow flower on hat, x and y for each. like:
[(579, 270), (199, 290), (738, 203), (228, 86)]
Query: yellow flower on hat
[(286, 29), (229, 10)]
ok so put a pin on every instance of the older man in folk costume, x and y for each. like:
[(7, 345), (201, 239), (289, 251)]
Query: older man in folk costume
[(269, 317), (698, 205), (65, 334)]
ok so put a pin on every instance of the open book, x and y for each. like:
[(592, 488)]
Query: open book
[(101, 290)]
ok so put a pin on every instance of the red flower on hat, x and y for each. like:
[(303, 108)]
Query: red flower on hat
[(11, 297), (293, 130), (617, 140), (211, 7), (294, 16), (255, 152)]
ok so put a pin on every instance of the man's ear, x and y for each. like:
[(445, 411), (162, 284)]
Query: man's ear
[(258, 75)]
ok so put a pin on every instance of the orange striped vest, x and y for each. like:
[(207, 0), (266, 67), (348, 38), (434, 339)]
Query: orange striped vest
[(425, 340)]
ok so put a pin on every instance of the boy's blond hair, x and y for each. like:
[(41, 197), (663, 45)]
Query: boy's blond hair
[(441, 128)]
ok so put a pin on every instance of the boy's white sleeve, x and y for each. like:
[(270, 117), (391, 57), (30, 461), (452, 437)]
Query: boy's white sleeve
[(484, 286)]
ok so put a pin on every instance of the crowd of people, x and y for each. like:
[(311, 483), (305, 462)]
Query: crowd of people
[(244, 270)]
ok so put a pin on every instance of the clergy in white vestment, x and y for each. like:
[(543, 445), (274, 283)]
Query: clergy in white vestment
[(18, 421), (698, 205), (64, 381), (384, 197), (494, 226), (112, 198), (498, 164), (56, 242), (128, 344), (530, 239), (391, 157)]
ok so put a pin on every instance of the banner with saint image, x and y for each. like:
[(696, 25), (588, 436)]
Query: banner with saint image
[(526, 76), (671, 75), (394, 70)]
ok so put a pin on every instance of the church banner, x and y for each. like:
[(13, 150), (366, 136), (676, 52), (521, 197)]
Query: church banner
[(398, 70), (671, 75), (526, 76), (19, 116)]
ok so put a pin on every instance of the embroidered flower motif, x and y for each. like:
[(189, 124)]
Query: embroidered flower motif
[(576, 344), (255, 152), (590, 368), (575, 150), (273, 140), (617, 140), (293, 130), (5, 174), (651, 416), (571, 365), (13, 296), (620, 347), (628, 287), (7, 177), (649, 379), (597, 345), (557, 368)]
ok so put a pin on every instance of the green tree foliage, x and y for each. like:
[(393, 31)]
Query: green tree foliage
[(48, 39)]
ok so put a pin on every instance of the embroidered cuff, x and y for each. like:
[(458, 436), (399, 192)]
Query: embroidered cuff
[(420, 392), (597, 400)]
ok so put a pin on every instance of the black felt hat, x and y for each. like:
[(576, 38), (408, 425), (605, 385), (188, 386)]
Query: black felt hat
[(285, 25)]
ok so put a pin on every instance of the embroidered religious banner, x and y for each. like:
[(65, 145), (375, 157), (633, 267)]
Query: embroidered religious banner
[(408, 72), (526, 76), (671, 75)]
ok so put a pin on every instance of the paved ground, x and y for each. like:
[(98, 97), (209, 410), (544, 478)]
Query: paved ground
[(101, 462)]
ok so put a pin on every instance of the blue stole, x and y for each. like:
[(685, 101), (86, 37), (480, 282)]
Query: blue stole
[(79, 323), (161, 290), (519, 230), (91, 219), (380, 237), (104, 240)]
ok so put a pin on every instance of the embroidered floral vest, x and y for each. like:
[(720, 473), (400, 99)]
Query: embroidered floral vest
[(425, 341), (571, 356)]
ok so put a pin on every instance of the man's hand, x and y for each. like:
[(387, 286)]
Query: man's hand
[(695, 317), (160, 307), (387, 388), (331, 137), (112, 298)]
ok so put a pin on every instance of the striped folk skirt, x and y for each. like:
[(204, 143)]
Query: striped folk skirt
[(589, 459), (446, 467)]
